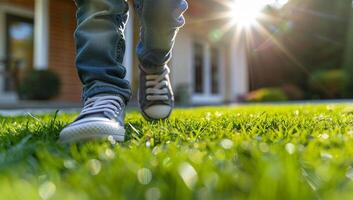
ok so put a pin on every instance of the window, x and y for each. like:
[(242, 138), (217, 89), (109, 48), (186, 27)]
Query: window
[(19, 43), (207, 75), (198, 68), (215, 68)]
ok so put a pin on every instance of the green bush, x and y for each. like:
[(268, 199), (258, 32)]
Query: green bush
[(293, 92), (183, 94), (328, 84), (266, 95), (40, 85)]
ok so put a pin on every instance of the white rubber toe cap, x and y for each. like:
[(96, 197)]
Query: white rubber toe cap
[(158, 111)]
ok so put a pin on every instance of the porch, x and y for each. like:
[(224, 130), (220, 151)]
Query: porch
[(214, 71)]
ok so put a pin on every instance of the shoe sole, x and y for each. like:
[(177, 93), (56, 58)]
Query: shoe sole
[(92, 131)]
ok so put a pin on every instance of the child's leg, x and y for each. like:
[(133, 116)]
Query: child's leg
[(100, 47), (100, 51), (160, 21)]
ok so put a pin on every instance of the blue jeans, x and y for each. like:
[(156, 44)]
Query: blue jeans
[(100, 41)]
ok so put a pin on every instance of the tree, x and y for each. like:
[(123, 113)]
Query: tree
[(314, 34), (348, 55)]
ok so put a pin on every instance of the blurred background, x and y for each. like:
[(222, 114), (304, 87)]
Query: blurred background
[(229, 51)]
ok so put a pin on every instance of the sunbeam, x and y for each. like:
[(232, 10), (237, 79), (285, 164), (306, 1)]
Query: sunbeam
[(239, 14)]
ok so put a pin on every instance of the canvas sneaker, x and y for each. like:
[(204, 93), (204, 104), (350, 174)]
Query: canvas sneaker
[(155, 96), (102, 117)]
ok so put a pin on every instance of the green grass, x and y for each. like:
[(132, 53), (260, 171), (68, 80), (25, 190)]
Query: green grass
[(251, 152)]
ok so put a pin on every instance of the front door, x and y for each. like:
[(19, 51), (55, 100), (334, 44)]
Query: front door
[(19, 49)]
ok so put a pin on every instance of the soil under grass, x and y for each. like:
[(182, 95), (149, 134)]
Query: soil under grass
[(251, 152)]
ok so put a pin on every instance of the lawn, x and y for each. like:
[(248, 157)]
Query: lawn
[(247, 152)]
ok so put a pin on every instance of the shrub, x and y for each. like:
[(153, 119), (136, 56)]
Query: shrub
[(293, 92), (328, 83), (183, 94), (40, 85), (266, 95)]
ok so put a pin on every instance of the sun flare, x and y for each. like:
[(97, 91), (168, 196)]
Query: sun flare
[(246, 12)]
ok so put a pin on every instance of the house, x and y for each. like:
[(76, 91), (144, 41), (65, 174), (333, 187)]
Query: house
[(39, 34)]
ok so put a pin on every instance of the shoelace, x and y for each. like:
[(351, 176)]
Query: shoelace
[(108, 106), (156, 86)]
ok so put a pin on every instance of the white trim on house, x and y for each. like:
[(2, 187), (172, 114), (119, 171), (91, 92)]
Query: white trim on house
[(222, 71), (13, 10), (239, 73), (41, 34), (207, 83), (129, 54), (207, 97)]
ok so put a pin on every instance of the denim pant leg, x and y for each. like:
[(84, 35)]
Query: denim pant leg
[(100, 47), (160, 22)]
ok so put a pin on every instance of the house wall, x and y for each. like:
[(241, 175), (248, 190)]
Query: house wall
[(62, 53), (182, 67), (28, 4), (62, 24), (228, 96), (61, 42), (181, 63)]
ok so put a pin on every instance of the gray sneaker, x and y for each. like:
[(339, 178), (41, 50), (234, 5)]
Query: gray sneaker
[(156, 98), (102, 117)]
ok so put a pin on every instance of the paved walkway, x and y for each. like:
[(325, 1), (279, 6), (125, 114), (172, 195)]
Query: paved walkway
[(38, 108)]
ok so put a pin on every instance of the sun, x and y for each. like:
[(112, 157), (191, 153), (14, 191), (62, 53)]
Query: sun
[(245, 13)]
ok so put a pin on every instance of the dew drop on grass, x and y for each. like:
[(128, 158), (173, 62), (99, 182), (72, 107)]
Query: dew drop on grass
[(144, 176), (290, 148), (227, 143), (188, 174), (112, 140), (218, 114), (296, 113), (69, 164), (349, 174), (264, 148), (319, 118), (330, 107), (47, 190), (153, 194), (95, 167), (324, 136), (208, 116), (326, 156), (350, 133), (155, 150), (108, 154)]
